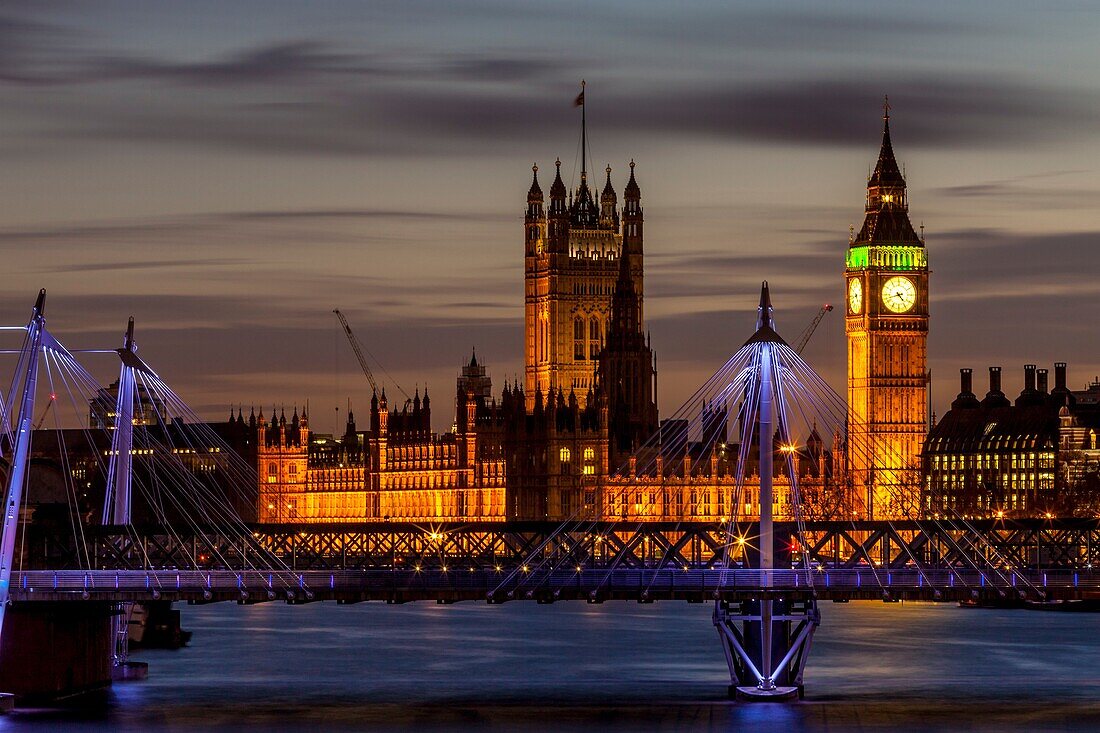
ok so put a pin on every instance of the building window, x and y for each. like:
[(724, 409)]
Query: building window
[(293, 470), (272, 473), (594, 338), (589, 454), (578, 338)]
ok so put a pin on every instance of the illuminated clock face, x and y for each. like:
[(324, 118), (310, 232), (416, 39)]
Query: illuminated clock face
[(855, 294), (899, 294)]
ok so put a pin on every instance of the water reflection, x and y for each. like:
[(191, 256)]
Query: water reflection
[(616, 667)]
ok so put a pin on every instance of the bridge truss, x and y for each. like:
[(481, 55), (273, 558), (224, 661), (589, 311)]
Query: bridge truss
[(1063, 544)]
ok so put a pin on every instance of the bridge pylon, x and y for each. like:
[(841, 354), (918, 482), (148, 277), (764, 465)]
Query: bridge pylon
[(766, 640), (21, 443), (117, 497)]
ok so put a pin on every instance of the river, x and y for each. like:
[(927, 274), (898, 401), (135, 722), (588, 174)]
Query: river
[(613, 668)]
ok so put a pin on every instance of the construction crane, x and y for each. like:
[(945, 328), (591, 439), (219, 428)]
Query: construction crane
[(53, 398), (805, 337), (358, 349)]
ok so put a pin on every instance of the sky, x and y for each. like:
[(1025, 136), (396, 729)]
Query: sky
[(228, 173)]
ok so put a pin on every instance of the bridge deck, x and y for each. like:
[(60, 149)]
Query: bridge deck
[(591, 585)]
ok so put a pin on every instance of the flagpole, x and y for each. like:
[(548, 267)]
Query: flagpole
[(584, 136)]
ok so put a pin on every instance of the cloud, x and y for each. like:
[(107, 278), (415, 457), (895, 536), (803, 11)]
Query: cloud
[(1017, 192), (145, 265), (279, 62), (309, 97)]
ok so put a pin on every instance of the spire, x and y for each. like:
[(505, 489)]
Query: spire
[(632, 192), (887, 218), (534, 196), (886, 172), (609, 214), (557, 188), (626, 322)]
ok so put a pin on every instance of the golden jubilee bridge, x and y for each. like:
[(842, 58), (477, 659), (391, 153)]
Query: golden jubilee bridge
[(68, 582)]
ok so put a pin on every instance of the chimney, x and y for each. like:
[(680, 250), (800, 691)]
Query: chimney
[(995, 397), (1029, 396), (1060, 376), (1043, 381), (966, 398)]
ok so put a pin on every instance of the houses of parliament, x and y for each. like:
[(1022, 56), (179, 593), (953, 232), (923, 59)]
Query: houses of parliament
[(567, 441)]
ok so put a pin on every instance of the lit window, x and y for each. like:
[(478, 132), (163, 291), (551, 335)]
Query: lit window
[(589, 454), (564, 455)]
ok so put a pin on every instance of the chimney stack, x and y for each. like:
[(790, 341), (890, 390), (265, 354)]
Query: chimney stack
[(966, 398), (995, 397), (1060, 376), (1029, 377), (1042, 381)]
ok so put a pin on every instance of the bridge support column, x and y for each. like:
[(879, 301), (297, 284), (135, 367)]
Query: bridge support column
[(53, 651), (766, 643)]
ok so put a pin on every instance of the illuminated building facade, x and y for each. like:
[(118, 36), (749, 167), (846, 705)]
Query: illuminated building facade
[(996, 458), (566, 443), (571, 265), (886, 280)]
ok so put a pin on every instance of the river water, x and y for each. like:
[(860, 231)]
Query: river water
[(614, 667)]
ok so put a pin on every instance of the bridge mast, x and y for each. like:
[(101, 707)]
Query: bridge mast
[(117, 498), (756, 632), (116, 502), (17, 476), (767, 447)]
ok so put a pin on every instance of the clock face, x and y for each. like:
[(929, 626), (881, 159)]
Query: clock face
[(899, 294), (855, 294)]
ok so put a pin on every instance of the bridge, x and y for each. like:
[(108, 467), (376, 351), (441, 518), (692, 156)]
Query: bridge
[(763, 577), (454, 584)]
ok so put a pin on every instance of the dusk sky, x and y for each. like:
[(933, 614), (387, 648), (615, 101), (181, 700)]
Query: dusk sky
[(229, 173)]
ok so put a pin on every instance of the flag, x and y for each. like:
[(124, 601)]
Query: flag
[(579, 101)]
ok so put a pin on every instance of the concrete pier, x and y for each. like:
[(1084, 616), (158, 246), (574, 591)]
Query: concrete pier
[(55, 651)]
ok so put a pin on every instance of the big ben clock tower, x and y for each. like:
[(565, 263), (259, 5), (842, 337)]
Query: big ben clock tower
[(886, 285)]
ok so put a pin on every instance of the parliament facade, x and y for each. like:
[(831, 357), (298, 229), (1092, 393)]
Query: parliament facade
[(566, 442)]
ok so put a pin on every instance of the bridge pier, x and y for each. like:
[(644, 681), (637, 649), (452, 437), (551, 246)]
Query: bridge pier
[(54, 651), (766, 644)]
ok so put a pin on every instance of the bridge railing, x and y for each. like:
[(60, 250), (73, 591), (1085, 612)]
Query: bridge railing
[(484, 582)]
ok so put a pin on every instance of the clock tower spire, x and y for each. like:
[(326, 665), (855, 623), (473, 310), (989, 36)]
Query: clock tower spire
[(886, 325)]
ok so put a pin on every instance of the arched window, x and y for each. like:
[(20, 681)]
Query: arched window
[(578, 338), (293, 470), (272, 472), (594, 338)]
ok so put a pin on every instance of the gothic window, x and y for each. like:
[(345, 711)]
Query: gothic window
[(578, 338), (272, 473), (594, 338), (293, 470)]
